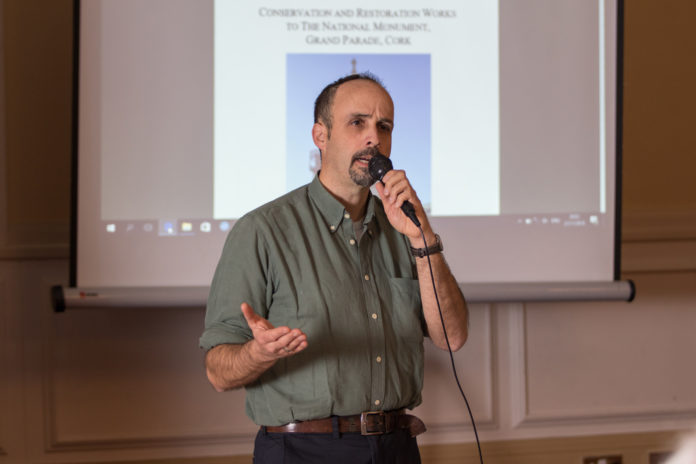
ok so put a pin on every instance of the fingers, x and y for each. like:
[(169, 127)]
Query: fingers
[(395, 182), (292, 343), (273, 342), (278, 343), (396, 189), (254, 320), (249, 313)]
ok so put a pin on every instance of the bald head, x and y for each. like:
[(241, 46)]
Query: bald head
[(323, 105)]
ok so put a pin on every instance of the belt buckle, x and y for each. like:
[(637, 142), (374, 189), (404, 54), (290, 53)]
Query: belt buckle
[(363, 423)]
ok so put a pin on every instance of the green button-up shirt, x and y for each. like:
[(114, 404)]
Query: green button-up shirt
[(297, 262)]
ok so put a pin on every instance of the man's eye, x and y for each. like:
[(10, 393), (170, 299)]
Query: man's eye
[(356, 122), (385, 127)]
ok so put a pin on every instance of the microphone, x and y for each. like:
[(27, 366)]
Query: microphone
[(378, 166)]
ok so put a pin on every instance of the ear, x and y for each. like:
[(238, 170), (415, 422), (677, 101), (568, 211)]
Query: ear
[(319, 135)]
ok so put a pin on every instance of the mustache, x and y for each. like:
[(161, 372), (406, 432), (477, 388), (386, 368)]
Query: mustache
[(368, 152)]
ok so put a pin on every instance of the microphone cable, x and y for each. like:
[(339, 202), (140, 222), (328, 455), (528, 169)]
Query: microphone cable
[(449, 348), (378, 166)]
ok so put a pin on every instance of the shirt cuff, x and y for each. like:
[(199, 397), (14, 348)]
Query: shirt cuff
[(215, 336)]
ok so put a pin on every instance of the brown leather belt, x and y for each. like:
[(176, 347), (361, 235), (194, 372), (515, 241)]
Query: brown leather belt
[(367, 423)]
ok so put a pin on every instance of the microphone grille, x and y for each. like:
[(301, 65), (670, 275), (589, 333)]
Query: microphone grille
[(378, 166)]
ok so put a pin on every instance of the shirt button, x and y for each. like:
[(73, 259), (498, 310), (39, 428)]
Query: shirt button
[(367, 277), (332, 228), (374, 315), (347, 216), (377, 402), (379, 359), (352, 242)]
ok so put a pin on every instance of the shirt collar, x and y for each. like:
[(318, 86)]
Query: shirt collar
[(332, 209)]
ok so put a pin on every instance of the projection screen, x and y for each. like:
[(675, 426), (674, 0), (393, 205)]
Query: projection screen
[(193, 112)]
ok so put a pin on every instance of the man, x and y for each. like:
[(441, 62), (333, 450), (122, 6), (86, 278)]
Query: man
[(334, 302)]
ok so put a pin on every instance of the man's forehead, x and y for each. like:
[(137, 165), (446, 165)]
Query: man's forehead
[(357, 89)]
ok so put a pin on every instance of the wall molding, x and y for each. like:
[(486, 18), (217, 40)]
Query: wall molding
[(55, 443), (33, 252), (35, 241), (523, 417), (658, 241), (491, 420), (517, 339), (657, 225), (611, 415), (494, 368), (634, 447), (6, 350), (658, 256), (3, 137)]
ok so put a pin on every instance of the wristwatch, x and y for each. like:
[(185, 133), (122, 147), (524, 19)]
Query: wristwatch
[(431, 250)]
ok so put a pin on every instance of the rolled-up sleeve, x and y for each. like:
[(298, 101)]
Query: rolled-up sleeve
[(242, 275)]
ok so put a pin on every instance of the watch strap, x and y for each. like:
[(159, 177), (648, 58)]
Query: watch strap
[(432, 249)]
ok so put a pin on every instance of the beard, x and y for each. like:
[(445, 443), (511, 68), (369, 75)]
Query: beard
[(360, 175)]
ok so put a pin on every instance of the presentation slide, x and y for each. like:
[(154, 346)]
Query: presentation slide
[(194, 112), (446, 97)]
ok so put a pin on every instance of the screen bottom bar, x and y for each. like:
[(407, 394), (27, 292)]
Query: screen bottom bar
[(64, 298)]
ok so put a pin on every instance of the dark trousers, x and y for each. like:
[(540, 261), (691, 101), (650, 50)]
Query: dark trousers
[(349, 448)]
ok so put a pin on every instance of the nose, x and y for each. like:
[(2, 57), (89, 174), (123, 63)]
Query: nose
[(372, 136)]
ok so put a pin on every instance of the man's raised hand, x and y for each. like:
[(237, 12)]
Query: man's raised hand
[(271, 343)]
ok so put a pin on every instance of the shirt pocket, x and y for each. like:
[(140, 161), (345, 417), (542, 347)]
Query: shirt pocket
[(407, 309)]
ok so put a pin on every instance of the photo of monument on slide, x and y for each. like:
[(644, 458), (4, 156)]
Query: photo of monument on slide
[(406, 78)]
